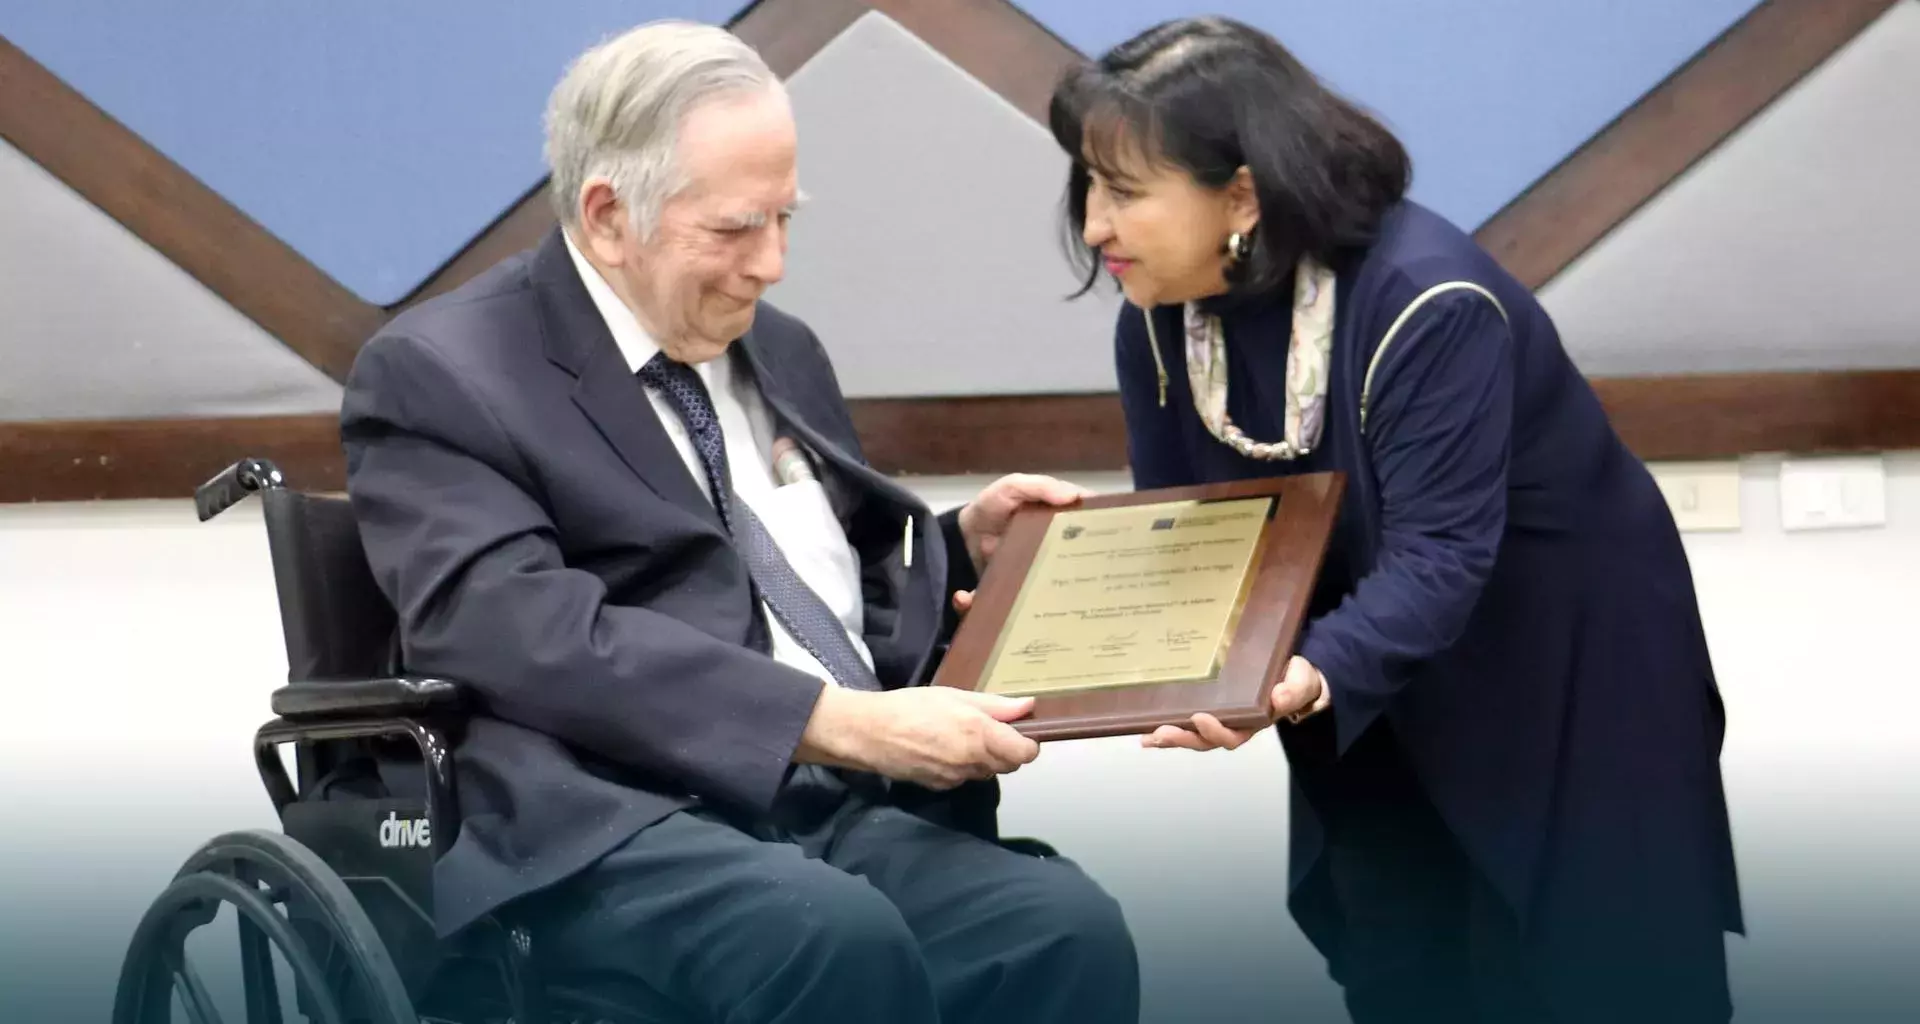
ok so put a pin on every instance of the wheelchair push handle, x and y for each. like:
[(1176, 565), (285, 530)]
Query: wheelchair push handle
[(234, 483)]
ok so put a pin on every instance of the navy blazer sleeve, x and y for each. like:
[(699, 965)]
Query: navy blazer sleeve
[(463, 548), (1438, 435)]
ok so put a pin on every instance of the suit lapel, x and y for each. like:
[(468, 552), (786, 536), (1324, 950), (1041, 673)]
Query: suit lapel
[(920, 587), (788, 409), (605, 389)]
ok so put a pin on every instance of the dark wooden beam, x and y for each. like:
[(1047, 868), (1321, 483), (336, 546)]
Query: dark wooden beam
[(1722, 415), (521, 227), (102, 460), (1668, 131), (995, 42), (788, 33), (1706, 416), (171, 210), (1679, 418), (991, 434)]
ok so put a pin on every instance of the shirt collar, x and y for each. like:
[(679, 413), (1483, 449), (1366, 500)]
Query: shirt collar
[(635, 344)]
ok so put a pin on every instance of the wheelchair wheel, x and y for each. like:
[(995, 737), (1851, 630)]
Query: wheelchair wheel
[(287, 900)]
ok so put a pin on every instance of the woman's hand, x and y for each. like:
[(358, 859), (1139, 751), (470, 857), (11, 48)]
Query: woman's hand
[(1298, 691)]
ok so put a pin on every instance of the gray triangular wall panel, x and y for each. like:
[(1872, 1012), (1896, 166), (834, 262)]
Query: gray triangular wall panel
[(1790, 247), (94, 324), (928, 259)]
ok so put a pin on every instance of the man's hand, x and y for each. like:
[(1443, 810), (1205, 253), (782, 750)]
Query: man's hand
[(936, 736), (984, 519), (1296, 692)]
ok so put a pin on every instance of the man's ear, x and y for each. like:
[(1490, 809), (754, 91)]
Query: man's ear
[(1243, 203), (603, 221)]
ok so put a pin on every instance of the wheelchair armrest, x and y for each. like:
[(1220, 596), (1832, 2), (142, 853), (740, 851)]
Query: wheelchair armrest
[(366, 698), (404, 707), (1029, 846), (232, 485)]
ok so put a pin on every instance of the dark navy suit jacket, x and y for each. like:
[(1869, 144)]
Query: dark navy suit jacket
[(1506, 586), (541, 539)]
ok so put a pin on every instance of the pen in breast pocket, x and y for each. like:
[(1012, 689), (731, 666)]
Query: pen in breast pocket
[(790, 465), (909, 543)]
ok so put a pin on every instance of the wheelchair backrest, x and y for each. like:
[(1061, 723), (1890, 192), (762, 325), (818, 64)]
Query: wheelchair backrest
[(338, 624)]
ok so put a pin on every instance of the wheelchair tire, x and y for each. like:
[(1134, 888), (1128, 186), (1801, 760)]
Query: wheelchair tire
[(285, 897)]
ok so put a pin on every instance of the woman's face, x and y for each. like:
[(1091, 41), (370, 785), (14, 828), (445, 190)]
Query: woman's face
[(1162, 234)]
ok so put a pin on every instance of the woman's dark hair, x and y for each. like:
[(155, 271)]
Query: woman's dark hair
[(1208, 96)]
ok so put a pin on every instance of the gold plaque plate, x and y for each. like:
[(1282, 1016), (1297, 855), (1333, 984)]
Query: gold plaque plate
[(1130, 596)]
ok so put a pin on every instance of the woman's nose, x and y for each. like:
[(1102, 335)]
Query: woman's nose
[(1097, 231)]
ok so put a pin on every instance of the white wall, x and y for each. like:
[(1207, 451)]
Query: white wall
[(83, 295), (137, 647)]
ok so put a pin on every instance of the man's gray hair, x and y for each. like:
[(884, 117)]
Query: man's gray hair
[(616, 113)]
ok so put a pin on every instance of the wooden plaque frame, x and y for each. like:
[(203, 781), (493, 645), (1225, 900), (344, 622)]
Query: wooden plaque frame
[(1291, 550)]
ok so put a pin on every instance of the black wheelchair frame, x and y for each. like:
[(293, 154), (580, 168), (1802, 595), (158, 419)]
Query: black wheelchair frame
[(344, 892)]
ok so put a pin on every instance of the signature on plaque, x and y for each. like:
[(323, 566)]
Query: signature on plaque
[(1039, 647), (1182, 639)]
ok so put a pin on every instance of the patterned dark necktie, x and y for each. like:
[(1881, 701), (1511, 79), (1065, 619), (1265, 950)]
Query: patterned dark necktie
[(799, 609)]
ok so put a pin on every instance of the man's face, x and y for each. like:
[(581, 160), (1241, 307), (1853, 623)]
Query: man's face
[(721, 241)]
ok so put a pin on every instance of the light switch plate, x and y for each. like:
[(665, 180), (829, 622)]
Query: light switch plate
[(1703, 495), (1833, 494)]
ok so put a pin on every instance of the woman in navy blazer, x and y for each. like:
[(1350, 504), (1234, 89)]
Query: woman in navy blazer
[(1502, 722)]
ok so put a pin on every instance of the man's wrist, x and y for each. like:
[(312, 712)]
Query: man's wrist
[(968, 539), (834, 731)]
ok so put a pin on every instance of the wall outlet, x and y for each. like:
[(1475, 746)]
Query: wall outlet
[(1832, 494), (1702, 495)]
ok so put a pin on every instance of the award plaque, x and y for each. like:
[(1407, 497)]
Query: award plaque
[(1126, 612)]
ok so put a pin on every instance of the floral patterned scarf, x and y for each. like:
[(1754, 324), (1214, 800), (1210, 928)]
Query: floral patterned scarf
[(1308, 353)]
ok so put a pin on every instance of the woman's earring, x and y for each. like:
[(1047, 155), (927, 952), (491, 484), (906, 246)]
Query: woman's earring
[(1237, 247)]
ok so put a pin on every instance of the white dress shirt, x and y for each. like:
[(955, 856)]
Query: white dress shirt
[(796, 514)]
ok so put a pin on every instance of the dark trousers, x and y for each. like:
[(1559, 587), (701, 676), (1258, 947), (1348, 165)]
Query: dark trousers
[(841, 911), (1424, 937)]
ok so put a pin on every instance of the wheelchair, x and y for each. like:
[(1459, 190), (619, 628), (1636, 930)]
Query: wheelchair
[(343, 892)]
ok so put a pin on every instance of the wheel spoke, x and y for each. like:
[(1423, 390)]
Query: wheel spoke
[(313, 892), (285, 897), (193, 994), (247, 900), (256, 966)]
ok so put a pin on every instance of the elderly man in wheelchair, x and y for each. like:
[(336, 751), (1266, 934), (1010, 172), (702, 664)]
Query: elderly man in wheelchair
[(607, 690)]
